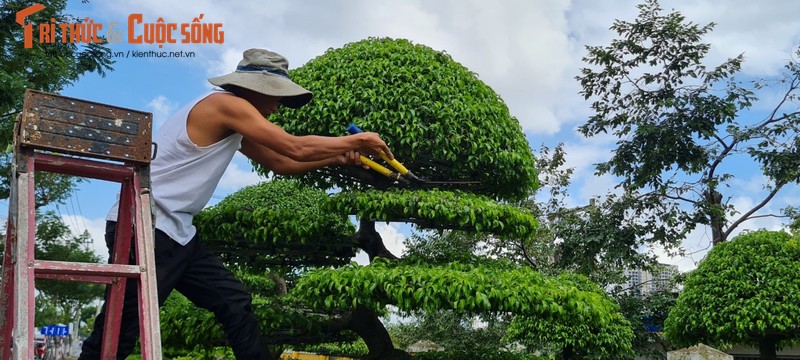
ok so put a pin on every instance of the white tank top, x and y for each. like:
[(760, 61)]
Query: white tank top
[(184, 175)]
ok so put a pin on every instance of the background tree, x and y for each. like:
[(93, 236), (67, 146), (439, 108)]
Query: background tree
[(446, 126), (44, 67), (597, 241), (746, 291), (647, 314), (681, 125), (49, 68), (573, 338), (54, 241)]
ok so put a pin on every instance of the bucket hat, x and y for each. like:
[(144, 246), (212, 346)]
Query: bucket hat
[(265, 72)]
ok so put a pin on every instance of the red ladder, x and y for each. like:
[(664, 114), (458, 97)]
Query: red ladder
[(105, 143)]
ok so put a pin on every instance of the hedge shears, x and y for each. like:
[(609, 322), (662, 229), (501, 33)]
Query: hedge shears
[(403, 175)]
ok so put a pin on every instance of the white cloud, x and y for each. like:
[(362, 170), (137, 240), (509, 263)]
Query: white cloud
[(162, 108), (764, 34), (393, 239), (96, 228), (584, 155), (238, 174)]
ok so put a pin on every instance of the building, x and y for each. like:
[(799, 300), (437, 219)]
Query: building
[(644, 282)]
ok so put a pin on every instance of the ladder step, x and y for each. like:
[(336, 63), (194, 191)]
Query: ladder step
[(58, 268), (83, 167)]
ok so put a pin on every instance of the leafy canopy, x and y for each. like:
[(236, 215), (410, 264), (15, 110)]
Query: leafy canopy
[(438, 118), (437, 209), (746, 290), (459, 287), (570, 336), (277, 222)]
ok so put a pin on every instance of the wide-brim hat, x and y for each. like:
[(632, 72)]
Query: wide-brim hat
[(266, 72)]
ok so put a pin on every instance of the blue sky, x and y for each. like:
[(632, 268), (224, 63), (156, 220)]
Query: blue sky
[(528, 50)]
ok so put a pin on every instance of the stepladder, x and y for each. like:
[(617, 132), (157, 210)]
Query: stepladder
[(62, 135)]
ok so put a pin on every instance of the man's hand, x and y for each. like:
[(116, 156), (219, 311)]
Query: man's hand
[(351, 158), (371, 143)]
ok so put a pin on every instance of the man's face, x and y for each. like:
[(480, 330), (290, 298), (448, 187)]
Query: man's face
[(270, 105)]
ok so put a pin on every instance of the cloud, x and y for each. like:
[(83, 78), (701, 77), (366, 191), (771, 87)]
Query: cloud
[(162, 108), (393, 239), (238, 174), (765, 35), (96, 228)]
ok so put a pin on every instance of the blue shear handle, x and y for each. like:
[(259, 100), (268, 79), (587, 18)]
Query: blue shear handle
[(353, 129)]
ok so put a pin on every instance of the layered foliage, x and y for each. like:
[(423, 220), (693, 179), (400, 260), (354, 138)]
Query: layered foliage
[(746, 291), (459, 287), (437, 209), (277, 222), (444, 124), (681, 123), (284, 320), (569, 337), (439, 119)]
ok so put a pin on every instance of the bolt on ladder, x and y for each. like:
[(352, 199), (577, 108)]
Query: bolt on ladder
[(69, 136)]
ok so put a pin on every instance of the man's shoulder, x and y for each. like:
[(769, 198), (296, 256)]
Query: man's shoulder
[(221, 100)]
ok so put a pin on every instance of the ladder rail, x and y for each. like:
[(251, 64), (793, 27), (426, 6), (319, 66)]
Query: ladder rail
[(149, 326), (24, 255), (116, 294)]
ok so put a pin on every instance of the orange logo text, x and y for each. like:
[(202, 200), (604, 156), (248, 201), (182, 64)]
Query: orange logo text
[(138, 31)]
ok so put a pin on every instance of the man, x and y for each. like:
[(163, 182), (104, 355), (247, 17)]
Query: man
[(195, 147)]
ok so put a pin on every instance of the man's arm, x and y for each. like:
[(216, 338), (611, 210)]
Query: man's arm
[(283, 165), (234, 113)]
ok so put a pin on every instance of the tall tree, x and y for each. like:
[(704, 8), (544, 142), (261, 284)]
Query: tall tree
[(598, 241), (683, 125)]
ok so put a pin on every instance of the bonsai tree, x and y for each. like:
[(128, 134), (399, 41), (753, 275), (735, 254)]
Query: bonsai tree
[(745, 292), (571, 337), (292, 242)]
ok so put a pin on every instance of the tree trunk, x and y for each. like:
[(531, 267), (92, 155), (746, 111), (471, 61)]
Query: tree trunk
[(365, 322), (371, 242), (716, 214), (766, 348)]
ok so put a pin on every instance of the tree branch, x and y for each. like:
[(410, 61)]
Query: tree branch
[(673, 197), (746, 216), (721, 141), (526, 256)]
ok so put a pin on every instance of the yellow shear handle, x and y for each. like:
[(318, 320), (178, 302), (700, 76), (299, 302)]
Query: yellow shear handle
[(379, 168), (353, 129), (395, 164)]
